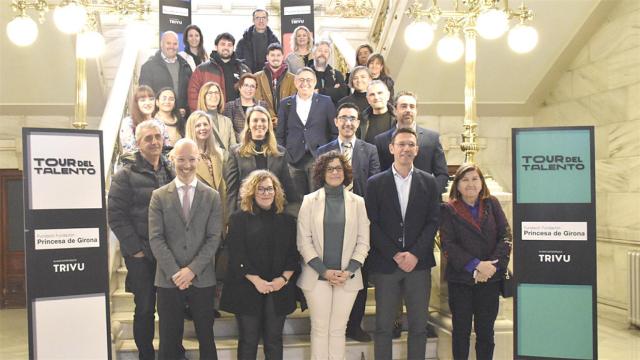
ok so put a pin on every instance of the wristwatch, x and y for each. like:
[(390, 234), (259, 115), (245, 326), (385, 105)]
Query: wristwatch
[(286, 281)]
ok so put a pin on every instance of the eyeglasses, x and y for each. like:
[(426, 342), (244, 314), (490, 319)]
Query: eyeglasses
[(266, 190), (407, 145), (331, 169), (303, 80), (248, 86), (346, 118), (260, 18)]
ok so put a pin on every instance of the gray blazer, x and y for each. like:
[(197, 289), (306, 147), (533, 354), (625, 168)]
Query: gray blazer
[(177, 242)]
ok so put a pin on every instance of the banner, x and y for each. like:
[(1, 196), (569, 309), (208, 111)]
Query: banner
[(294, 13), (65, 244), (555, 314), (175, 15)]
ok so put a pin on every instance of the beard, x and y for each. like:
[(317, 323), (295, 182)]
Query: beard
[(320, 61)]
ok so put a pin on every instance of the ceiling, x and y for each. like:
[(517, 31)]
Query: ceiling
[(507, 83)]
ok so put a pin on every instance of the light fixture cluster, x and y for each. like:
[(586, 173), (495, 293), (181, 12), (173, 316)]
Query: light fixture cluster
[(480, 16), (71, 17)]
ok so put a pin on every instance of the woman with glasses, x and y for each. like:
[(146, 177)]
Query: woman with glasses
[(259, 289), (476, 239), (257, 150), (167, 112), (236, 109), (301, 44), (211, 101), (333, 239), (141, 107)]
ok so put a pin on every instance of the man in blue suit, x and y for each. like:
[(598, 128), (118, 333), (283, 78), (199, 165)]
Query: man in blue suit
[(305, 122), (364, 161), (430, 158)]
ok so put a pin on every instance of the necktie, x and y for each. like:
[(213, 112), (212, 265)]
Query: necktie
[(347, 151), (186, 201)]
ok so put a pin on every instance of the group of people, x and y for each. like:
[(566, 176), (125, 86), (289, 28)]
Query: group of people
[(277, 180)]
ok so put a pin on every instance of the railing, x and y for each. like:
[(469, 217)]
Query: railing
[(341, 46)]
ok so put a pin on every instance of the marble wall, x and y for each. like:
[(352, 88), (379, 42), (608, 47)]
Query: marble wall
[(602, 88)]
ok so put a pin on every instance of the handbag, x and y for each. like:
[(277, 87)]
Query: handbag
[(506, 284)]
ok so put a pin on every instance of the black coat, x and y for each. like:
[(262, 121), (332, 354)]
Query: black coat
[(327, 81), (129, 198), (244, 49), (430, 156), (388, 228), (364, 123), (464, 240), (155, 74), (247, 236)]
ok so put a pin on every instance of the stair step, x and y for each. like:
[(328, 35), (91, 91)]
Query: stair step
[(295, 347)]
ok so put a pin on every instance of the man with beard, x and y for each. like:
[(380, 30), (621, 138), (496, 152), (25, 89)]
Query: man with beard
[(166, 69), (223, 68), (363, 158), (430, 156), (306, 123), (275, 82), (330, 81), (379, 117), (253, 46)]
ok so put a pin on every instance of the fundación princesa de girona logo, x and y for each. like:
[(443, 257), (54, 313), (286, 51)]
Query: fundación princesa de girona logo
[(551, 162), (56, 166)]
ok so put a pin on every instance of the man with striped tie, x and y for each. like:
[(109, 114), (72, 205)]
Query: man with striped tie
[(363, 158)]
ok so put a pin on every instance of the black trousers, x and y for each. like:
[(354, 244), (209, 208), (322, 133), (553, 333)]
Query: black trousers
[(479, 303), (302, 175), (357, 312), (141, 273), (171, 304), (267, 325)]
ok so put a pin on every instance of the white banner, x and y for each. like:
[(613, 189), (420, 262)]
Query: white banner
[(53, 239), (538, 230)]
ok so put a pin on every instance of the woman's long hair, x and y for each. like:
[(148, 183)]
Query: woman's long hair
[(248, 147), (211, 147), (141, 91), (174, 112), (202, 102), (201, 53), (250, 187)]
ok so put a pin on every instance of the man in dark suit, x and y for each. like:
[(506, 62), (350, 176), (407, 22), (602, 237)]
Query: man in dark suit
[(403, 207), (364, 161), (430, 158), (185, 224), (305, 122)]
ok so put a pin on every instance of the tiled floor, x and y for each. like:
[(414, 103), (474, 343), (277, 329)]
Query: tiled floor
[(616, 340)]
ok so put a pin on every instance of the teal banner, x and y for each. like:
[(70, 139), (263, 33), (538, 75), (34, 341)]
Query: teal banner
[(554, 254)]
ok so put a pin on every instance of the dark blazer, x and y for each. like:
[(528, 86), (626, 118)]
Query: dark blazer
[(430, 156), (387, 226), (155, 74), (463, 239), (237, 168), (247, 235), (296, 137), (177, 242), (327, 81), (364, 162)]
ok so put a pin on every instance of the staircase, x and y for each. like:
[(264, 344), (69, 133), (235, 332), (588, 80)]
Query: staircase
[(296, 331)]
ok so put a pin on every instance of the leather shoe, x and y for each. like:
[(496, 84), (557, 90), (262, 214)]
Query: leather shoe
[(397, 330), (359, 335)]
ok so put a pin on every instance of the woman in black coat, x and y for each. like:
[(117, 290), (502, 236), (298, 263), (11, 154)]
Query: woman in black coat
[(262, 260), (258, 150), (476, 239)]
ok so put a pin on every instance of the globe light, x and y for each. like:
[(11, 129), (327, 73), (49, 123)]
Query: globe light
[(22, 30), (491, 24), (418, 35), (70, 18), (523, 38), (90, 44), (450, 48)]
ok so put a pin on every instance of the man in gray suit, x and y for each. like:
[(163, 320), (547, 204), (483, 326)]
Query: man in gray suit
[(364, 161), (185, 224)]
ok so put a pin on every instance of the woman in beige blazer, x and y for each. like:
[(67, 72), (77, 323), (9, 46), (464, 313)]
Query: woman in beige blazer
[(211, 101), (333, 239)]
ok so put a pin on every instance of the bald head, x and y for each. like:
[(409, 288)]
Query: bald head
[(169, 44), (185, 158)]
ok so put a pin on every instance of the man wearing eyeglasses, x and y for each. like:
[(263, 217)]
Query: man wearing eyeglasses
[(305, 124), (403, 205), (364, 162), (430, 158), (275, 82), (252, 48)]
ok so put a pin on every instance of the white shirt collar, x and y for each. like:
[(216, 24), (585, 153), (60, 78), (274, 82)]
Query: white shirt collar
[(180, 184), (166, 59), (396, 173)]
